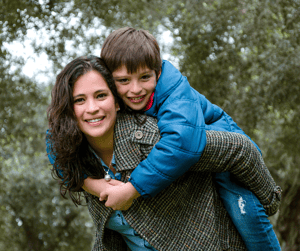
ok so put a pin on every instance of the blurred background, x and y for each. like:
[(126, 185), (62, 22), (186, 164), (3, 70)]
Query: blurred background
[(242, 55)]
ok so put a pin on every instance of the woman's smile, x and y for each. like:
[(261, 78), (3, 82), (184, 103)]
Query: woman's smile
[(95, 122), (94, 106)]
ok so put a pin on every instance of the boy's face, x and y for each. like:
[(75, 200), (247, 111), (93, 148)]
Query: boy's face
[(135, 89)]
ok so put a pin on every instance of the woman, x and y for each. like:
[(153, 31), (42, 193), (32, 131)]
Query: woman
[(89, 139)]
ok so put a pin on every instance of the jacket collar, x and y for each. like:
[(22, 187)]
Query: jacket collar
[(128, 138)]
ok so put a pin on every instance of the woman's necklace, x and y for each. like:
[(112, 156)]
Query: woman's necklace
[(107, 177)]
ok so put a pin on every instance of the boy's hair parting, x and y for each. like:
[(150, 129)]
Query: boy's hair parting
[(132, 48)]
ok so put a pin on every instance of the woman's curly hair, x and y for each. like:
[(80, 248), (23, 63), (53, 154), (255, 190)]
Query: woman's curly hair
[(68, 145)]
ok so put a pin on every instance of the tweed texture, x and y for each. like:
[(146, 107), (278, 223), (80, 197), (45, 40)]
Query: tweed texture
[(189, 214)]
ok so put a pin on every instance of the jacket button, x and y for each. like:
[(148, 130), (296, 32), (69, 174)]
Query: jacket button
[(138, 135)]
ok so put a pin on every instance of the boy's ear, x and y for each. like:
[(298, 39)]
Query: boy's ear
[(159, 73)]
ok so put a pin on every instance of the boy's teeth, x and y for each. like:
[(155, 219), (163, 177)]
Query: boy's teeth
[(94, 120)]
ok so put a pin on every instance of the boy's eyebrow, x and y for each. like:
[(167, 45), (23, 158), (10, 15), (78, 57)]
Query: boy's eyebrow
[(118, 75)]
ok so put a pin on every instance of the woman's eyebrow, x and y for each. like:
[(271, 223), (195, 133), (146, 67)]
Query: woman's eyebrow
[(101, 90), (78, 95)]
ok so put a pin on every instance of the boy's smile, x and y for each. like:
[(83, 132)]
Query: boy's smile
[(135, 89)]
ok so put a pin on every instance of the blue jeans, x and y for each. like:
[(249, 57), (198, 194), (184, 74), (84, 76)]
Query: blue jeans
[(133, 240), (247, 214)]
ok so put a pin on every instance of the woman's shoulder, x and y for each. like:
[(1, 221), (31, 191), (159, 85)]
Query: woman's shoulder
[(135, 125), (130, 120)]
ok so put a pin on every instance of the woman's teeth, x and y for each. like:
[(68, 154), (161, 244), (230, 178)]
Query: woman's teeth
[(95, 120)]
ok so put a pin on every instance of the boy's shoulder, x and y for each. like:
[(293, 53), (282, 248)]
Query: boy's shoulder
[(169, 79), (172, 82)]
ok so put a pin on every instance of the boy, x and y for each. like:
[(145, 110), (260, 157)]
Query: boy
[(158, 89)]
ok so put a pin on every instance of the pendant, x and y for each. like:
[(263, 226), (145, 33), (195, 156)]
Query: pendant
[(107, 177)]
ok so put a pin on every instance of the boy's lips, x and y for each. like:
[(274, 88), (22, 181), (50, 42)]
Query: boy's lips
[(137, 99)]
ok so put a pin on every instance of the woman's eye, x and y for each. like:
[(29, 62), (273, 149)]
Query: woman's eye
[(79, 100), (101, 95)]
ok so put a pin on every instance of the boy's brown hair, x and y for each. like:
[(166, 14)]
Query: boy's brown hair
[(132, 48)]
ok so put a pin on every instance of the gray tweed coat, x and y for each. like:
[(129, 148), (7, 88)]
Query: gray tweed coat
[(187, 215)]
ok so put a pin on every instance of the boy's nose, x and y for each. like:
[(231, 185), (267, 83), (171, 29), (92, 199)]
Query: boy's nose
[(136, 87)]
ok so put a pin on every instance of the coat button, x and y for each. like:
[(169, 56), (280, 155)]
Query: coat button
[(138, 135)]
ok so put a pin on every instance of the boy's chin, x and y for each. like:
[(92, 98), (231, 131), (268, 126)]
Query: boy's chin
[(134, 109)]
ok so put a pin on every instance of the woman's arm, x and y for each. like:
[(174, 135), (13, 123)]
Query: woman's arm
[(119, 197), (96, 186), (235, 153), (92, 186)]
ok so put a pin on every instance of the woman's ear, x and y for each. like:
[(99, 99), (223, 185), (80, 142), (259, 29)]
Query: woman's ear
[(117, 107)]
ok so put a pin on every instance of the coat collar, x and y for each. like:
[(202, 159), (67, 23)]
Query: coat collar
[(128, 138)]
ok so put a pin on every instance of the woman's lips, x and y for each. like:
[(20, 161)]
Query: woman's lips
[(95, 122)]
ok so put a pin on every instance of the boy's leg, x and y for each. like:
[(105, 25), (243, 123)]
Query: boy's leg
[(247, 214)]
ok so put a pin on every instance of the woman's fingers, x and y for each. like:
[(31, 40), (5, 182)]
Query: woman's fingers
[(115, 182), (103, 196)]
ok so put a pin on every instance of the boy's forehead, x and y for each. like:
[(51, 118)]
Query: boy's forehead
[(123, 70)]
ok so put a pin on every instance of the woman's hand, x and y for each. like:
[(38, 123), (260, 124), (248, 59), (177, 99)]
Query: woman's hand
[(119, 197), (96, 186)]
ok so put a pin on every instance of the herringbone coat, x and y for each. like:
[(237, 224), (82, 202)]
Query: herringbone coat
[(189, 214)]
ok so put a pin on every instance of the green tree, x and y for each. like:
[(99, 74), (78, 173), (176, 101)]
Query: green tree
[(33, 215), (243, 55)]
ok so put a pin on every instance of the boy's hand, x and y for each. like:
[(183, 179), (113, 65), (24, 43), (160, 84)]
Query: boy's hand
[(119, 197)]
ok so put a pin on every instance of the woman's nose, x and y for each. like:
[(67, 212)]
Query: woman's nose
[(92, 106)]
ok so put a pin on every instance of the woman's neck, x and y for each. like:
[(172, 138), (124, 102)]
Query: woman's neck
[(104, 148)]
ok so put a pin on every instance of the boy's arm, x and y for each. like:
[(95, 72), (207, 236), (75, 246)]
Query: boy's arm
[(183, 116), (182, 129)]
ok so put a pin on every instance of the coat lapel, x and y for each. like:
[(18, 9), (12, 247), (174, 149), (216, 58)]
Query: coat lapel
[(129, 137)]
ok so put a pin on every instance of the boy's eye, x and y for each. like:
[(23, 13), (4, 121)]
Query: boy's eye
[(122, 80), (146, 77)]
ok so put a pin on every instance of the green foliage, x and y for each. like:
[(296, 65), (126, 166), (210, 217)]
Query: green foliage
[(34, 215), (243, 55)]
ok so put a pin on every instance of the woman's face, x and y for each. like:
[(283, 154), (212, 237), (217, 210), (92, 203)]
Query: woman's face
[(94, 106)]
